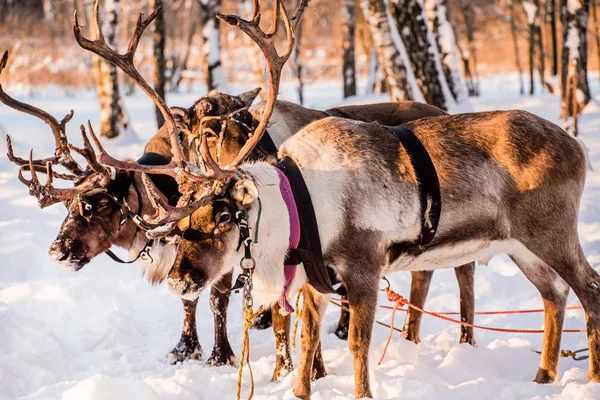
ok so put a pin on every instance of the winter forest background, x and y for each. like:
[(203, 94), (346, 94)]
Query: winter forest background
[(104, 332), (427, 50)]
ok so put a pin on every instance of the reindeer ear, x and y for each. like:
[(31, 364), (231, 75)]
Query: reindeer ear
[(244, 191), (248, 97)]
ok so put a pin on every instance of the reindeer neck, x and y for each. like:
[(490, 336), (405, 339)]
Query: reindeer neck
[(271, 246)]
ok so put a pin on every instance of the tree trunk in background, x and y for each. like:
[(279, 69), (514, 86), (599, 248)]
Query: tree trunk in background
[(113, 119), (574, 17), (468, 51), (211, 45), (348, 34), (596, 32), (254, 54), (442, 30), (515, 40), (297, 65), (551, 20), (422, 50), (158, 38), (533, 14), (388, 53)]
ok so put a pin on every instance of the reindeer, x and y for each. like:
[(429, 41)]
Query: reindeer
[(106, 204), (509, 182)]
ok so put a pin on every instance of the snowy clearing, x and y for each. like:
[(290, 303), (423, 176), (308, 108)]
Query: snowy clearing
[(104, 332)]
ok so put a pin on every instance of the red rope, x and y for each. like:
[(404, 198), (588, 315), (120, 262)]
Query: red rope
[(526, 311), (401, 301)]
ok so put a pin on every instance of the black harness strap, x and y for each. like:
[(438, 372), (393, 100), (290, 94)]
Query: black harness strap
[(309, 248), (427, 180), (267, 145)]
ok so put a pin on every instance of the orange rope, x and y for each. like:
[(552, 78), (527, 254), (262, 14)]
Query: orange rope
[(526, 311), (401, 301)]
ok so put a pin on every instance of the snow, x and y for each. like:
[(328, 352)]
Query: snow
[(104, 332)]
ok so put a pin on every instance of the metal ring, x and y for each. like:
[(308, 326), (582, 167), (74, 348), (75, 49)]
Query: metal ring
[(251, 259), (388, 284)]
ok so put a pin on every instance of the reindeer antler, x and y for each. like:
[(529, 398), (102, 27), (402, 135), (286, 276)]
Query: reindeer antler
[(275, 63), (178, 166), (61, 151), (47, 194)]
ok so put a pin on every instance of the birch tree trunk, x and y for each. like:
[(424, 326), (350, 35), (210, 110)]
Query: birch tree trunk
[(297, 65), (468, 50), (442, 30), (158, 38), (574, 16), (214, 75), (254, 54), (422, 50), (113, 119), (596, 31), (348, 41), (515, 40), (551, 20), (390, 56)]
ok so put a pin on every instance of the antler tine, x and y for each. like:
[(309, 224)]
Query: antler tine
[(166, 213), (125, 63), (275, 62), (61, 152), (88, 151)]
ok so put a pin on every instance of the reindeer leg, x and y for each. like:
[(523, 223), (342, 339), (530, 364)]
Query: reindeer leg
[(283, 357), (342, 329), (362, 298), (465, 275), (188, 347), (221, 353), (314, 305), (419, 287), (318, 368), (554, 292), (264, 320), (570, 263)]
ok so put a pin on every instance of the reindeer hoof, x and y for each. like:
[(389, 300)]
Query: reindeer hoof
[(410, 334), (280, 373), (544, 376), (219, 358), (341, 332), (469, 340), (183, 352), (318, 373), (264, 320)]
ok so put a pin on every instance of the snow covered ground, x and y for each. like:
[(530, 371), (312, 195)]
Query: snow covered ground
[(103, 332)]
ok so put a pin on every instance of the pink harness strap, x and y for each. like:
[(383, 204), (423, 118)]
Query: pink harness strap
[(289, 271)]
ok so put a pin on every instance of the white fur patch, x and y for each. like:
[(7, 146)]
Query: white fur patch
[(162, 256)]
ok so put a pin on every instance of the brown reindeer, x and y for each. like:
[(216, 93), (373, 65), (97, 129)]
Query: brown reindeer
[(509, 181)]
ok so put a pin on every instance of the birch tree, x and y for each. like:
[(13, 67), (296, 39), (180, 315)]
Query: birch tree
[(113, 119), (253, 52), (214, 75), (158, 39), (574, 16), (423, 54), (392, 56), (443, 33), (467, 48), (348, 45)]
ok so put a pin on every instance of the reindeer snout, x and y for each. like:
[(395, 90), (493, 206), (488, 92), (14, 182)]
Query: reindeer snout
[(63, 251)]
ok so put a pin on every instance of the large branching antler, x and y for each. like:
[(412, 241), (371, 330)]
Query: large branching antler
[(47, 194), (275, 62), (61, 152), (178, 166)]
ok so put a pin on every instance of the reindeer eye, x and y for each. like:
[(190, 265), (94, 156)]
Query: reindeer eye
[(102, 204), (224, 217)]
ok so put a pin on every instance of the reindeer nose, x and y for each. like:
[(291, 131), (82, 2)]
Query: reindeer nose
[(60, 249)]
